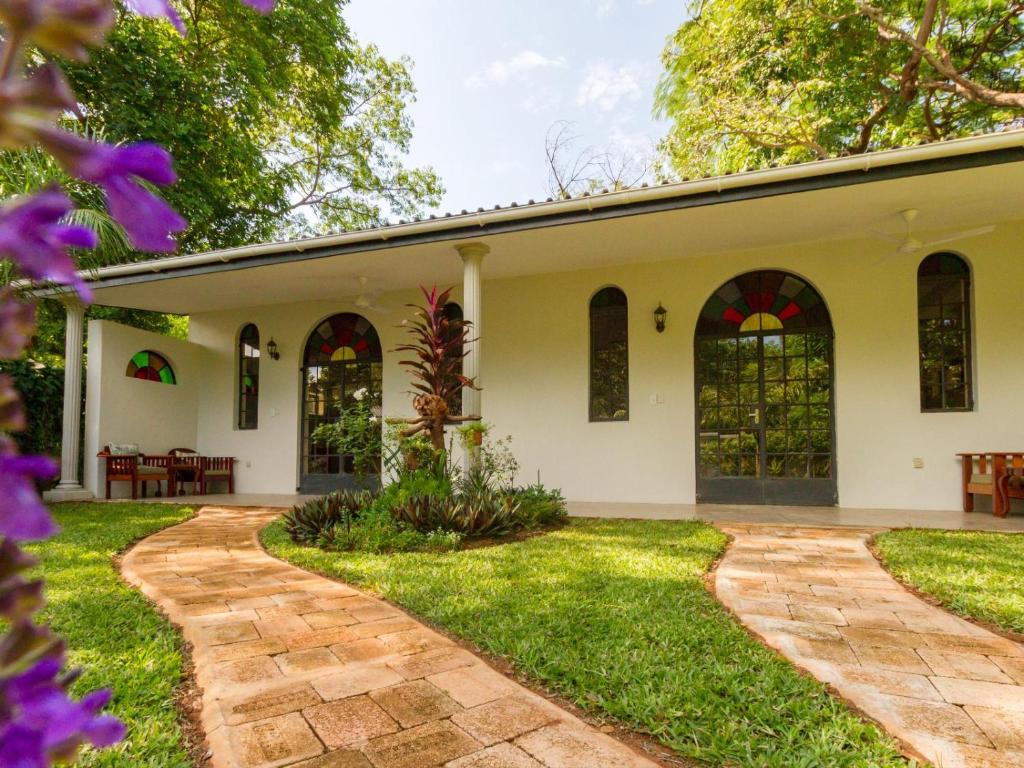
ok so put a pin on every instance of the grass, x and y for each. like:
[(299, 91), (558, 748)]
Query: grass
[(112, 632), (974, 574), (614, 616)]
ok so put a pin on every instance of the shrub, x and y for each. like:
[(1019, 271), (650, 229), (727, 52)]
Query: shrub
[(443, 541), (539, 506), (373, 532), (478, 514), (306, 523)]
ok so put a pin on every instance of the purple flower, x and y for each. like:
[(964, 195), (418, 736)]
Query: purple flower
[(32, 235), (22, 748), (40, 706), (155, 9), (30, 104), (163, 8), (17, 324), (66, 27), (148, 219), (22, 515)]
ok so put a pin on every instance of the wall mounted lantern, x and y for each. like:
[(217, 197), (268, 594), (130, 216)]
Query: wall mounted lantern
[(659, 318), (272, 349)]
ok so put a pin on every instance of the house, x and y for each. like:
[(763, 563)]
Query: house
[(832, 332)]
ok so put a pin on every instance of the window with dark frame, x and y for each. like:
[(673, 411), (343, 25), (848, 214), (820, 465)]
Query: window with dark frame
[(248, 377), (944, 333), (609, 356)]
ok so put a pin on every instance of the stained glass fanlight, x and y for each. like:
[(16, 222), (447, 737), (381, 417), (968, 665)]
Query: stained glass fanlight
[(150, 366), (762, 302), (343, 338)]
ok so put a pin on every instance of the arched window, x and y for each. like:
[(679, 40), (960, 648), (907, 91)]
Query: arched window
[(150, 366), (248, 377), (453, 311), (342, 364), (944, 333), (609, 356)]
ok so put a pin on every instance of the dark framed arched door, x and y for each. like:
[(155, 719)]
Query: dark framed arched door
[(765, 393), (342, 356)]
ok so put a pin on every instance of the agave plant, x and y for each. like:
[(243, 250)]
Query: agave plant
[(485, 514), (438, 350), (308, 522)]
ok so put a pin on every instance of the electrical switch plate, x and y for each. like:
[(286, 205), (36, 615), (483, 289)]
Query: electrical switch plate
[(918, 463)]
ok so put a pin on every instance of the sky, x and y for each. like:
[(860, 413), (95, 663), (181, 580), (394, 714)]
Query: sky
[(493, 75)]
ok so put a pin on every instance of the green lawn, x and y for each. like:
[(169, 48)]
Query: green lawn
[(614, 616), (975, 574), (111, 631)]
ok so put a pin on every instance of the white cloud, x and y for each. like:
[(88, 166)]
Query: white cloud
[(519, 67), (605, 87)]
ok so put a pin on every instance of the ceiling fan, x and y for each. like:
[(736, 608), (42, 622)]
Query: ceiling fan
[(910, 244), (367, 299)]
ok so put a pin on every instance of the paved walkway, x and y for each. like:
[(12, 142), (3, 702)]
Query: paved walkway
[(951, 691), (298, 670)]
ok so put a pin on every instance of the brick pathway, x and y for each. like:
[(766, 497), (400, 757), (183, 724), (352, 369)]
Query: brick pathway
[(951, 691), (297, 670)]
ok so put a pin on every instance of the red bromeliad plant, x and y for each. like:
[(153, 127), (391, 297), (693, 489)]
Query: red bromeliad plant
[(436, 367)]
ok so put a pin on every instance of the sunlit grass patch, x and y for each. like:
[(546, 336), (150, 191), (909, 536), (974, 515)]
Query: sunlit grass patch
[(614, 616)]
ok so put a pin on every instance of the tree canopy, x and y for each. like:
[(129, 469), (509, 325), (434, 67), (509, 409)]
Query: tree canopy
[(750, 82), (279, 125)]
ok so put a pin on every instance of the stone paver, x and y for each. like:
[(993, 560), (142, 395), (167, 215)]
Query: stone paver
[(297, 670), (949, 690)]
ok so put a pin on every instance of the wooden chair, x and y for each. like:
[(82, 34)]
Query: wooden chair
[(186, 466), (1009, 469), (999, 475), (217, 468), (136, 468)]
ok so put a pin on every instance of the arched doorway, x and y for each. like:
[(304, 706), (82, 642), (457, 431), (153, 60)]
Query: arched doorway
[(765, 393), (342, 355)]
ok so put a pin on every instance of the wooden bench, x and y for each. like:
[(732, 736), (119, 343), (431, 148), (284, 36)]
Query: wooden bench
[(136, 469), (997, 474)]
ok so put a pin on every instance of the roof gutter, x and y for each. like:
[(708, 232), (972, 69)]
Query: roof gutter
[(719, 184)]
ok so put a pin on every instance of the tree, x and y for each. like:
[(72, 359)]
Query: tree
[(572, 171), (438, 349), (750, 82), (280, 125)]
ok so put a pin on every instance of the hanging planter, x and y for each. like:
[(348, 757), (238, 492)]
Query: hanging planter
[(473, 433)]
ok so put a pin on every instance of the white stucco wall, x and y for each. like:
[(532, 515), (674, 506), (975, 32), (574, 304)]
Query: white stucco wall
[(535, 377), (118, 409)]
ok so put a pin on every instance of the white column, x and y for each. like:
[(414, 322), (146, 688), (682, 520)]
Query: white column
[(70, 488), (472, 256)]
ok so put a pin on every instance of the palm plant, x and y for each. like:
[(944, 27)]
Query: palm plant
[(436, 366)]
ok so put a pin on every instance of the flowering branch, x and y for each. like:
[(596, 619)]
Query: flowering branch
[(40, 724)]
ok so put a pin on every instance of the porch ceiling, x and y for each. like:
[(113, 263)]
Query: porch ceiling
[(947, 201)]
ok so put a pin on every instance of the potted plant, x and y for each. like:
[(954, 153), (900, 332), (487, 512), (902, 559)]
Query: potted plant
[(473, 433)]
